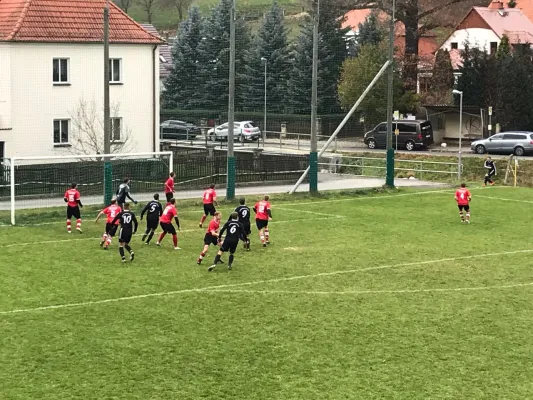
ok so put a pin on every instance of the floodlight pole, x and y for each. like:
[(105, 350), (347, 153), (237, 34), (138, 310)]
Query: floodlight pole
[(389, 181), (313, 155), (230, 183), (108, 174), (460, 155)]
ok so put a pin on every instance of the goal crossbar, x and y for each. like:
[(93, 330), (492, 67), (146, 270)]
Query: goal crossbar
[(106, 157)]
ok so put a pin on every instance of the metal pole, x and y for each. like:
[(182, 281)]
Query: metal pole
[(459, 159), (230, 184), (108, 173), (343, 122), (389, 181), (265, 108), (313, 157), (12, 185)]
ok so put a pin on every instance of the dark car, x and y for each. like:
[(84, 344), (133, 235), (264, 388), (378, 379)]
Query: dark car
[(178, 130), (412, 134)]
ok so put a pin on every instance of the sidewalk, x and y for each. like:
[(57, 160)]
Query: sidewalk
[(326, 182)]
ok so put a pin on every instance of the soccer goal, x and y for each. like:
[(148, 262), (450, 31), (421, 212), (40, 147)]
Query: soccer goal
[(33, 187)]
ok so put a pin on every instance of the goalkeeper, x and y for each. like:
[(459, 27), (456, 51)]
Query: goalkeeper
[(123, 192)]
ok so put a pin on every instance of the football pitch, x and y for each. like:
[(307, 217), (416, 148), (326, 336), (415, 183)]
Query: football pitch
[(372, 296)]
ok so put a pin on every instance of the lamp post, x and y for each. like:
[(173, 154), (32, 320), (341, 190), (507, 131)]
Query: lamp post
[(108, 189), (230, 182), (459, 161), (264, 60)]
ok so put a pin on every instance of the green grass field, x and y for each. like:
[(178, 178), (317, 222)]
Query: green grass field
[(383, 295)]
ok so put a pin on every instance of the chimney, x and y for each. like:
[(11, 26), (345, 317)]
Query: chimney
[(496, 4)]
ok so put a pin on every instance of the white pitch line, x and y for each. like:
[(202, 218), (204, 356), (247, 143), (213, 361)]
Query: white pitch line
[(504, 199), (362, 292), (266, 281), (312, 212)]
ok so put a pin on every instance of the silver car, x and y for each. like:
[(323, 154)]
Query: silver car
[(518, 143), (242, 131)]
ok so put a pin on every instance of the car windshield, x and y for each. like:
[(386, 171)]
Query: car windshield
[(250, 125)]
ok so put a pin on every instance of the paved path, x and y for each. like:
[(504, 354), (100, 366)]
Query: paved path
[(326, 182)]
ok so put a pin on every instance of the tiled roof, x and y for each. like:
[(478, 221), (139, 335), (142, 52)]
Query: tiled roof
[(67, 21), (510, 22), (165, 64), (527, 8)]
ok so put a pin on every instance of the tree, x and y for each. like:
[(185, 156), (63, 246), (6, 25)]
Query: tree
[(511, 4), (183, 85), (442, 79), (179, 5), (504, 48), (271, 45), (370, 33), (125, 5), (472, 74), (87, 130), (213, 58), (332, 52), (415, 15), (358, 72), (148, 7)]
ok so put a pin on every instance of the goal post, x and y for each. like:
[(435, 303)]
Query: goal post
[(40, 182)]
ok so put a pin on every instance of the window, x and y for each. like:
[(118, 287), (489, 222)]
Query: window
[(61, 131), (514, 136), (407, 128), (115, 70), (60, 70), (454, 45), (493, 47), (116, 129), (382, 128)]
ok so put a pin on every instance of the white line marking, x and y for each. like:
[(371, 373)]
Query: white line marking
[(241, 284), (504, 199), (312, 212), (362, 292)]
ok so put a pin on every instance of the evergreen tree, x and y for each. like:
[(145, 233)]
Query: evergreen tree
[(504, 49), (471, 80), (213, 58), (270, 44), (331, 54), (370, 33), (182, 86), (442, 79)]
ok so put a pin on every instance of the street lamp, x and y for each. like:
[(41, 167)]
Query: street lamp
[(265, 61), (459, 166)]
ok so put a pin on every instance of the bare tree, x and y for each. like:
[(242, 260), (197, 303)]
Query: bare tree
[(125, 4), (148, 7), (87, 130), (180, 6)]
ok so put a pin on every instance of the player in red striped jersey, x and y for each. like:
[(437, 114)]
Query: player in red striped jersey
[(169, 187), (263, 214), (463, 198), (210, 201), (72, 198), (166, 224), (211, 236), (111, 212)]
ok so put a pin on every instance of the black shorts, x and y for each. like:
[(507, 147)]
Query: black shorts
[(466, 208), (229, 245), (210, 239), (491, 173), (73, 212), (247, 228), (168, 228), (209, 209), (111, 229), (152, 223), (261, 223), (169, 195), (124, 235)]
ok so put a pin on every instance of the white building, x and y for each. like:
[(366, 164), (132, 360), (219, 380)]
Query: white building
[(52, 79)]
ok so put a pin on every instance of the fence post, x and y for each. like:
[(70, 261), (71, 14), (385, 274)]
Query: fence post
[(298, 140), (12, 184)]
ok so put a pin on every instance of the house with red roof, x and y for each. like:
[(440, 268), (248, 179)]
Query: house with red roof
[(51, 64)]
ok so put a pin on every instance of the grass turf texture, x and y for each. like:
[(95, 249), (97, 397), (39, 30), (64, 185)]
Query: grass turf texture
[(322, 313)]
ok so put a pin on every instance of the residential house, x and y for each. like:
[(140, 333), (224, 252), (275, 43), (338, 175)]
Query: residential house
[(52, 78), (165, 56)]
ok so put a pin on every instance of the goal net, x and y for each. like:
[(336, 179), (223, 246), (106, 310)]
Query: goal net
[(32, 188)]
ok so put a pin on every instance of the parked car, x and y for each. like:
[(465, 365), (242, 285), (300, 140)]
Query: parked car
[(413, 134), (518, 143), (242, 131), (178, 130)]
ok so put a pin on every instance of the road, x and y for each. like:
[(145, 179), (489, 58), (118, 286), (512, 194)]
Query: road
[(345, 146)]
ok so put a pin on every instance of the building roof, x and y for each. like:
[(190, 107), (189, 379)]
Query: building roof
[(527, 8), (165, 53), (67, 21), (511, 22)]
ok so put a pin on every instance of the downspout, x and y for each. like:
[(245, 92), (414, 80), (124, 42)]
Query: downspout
[(154, 108)]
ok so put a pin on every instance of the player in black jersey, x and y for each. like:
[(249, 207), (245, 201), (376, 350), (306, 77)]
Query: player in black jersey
[(154, 210), (128, 226), (235, 232), (244, 218)]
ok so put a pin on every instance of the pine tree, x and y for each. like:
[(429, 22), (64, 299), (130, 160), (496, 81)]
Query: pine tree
[(370, 33), (442, 79), (332, 52), (471, 80), (182, 86), (213, 58), (271, 45), (504, 48)]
